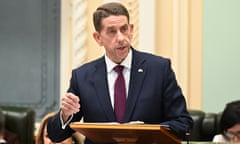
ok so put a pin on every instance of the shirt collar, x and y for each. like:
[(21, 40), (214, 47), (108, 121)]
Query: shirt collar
[(126, 62), (2, 141)]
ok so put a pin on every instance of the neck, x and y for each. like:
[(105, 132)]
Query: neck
[(1, 135)]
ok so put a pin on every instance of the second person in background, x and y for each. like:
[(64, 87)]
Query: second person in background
[(230, 124)]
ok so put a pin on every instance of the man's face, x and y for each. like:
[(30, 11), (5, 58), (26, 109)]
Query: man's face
[(115, 36), (233, 133)]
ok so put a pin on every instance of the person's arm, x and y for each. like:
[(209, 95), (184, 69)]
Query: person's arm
[(175, 110), (55, 131), (65, 121), (58, 126), (69, 106)]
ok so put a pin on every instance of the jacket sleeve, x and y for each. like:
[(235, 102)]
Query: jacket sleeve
[(175, 109), (55, 131)]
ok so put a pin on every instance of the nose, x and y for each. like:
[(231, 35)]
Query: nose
[(235, 139), (120, 37)]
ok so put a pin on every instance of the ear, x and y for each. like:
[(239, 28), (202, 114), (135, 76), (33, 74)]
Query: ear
[(97, 38), (131, 30)]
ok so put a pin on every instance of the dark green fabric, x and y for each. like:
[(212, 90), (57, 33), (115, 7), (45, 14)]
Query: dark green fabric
[(206, 125), (20, 120)]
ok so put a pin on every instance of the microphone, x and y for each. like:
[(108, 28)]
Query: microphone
[(187, 135)]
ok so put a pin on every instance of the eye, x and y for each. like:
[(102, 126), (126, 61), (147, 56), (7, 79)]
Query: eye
[(124, 29), (111, 31)]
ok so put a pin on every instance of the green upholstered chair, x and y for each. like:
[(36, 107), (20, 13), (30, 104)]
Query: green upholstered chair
[(20, 120)]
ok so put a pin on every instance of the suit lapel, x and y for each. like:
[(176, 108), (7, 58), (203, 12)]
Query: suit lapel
[(138, 72), (99, 81), (100, 84)]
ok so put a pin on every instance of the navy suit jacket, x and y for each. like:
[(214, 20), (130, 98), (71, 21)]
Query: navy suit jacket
[(154, 96)]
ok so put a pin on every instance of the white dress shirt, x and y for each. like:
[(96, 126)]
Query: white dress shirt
[(219, 138), (112, 75)]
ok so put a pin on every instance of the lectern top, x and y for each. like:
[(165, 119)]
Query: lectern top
[(125, 133)]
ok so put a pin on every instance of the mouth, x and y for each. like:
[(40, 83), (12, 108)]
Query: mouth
[(122, 47)]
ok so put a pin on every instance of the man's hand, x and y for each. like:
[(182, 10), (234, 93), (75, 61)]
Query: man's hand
[(69, 105)]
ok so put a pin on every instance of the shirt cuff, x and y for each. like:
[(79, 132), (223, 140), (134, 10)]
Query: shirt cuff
[(68, 121)]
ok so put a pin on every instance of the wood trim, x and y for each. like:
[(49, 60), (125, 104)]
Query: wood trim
[(179, 37), (196, 60)]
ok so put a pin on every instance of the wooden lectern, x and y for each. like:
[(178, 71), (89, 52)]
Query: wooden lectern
[(125, 133)]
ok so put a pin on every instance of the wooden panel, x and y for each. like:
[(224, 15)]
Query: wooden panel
[(29, 54)]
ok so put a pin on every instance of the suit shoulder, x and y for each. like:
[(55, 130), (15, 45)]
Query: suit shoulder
[(153, 58), (89, 65)]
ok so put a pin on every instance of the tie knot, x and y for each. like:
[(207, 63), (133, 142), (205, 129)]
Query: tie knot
[(118, 68)]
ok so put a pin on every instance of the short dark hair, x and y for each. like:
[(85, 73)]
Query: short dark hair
[(106, 10), (230, 115)]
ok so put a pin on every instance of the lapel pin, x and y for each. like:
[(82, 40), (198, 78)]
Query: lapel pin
[(140, 70)]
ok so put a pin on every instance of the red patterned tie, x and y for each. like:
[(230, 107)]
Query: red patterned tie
[(119, 94)]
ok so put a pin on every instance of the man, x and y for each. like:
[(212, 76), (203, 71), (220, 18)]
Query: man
[(150, 87)]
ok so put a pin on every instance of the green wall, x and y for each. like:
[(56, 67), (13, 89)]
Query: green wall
[(221, 53)]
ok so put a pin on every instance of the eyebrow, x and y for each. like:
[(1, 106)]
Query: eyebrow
[(111, 27)]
